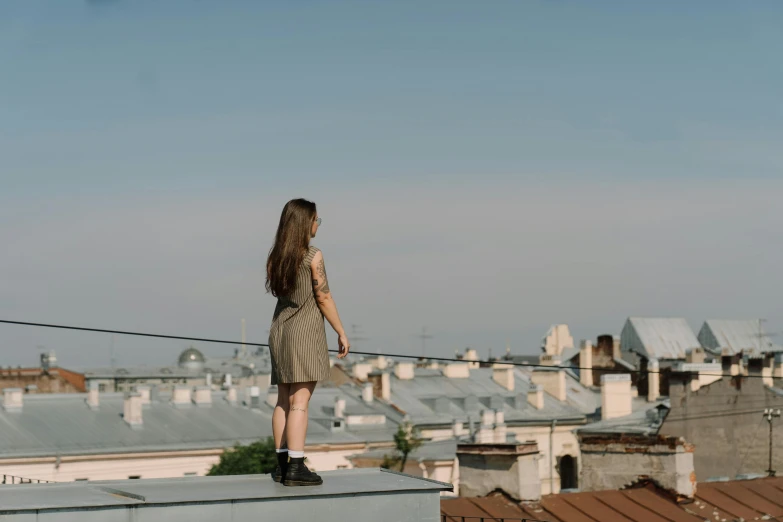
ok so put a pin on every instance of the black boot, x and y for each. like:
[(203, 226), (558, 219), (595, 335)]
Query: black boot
[(282, 467), (299, 475)]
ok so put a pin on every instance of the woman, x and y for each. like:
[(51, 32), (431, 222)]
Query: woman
[(295, 274)]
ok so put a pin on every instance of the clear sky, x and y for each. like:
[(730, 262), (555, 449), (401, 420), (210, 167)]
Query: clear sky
[(482, 168)]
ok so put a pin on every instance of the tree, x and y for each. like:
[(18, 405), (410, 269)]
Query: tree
[(406, 441), (256, 458)]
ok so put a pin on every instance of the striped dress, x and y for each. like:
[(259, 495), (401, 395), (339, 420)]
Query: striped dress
[(297, 338)]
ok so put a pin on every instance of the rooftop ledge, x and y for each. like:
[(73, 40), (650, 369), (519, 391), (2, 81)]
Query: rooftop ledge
[(375, 494)]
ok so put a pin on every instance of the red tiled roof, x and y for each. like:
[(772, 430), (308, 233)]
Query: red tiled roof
[(759, 499)]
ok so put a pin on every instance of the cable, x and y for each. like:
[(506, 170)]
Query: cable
[(373, 354)]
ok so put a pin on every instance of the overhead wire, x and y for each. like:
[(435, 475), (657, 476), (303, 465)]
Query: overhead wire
[(372, 354)]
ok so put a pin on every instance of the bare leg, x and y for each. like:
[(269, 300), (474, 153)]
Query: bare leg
[(280, 415), (296, 425)]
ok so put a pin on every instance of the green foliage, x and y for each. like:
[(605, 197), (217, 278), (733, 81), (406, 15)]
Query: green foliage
[(256, 458), (406, 440)]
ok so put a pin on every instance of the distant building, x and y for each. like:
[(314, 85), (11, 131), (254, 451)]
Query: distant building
[(735, 336), (47, 378)]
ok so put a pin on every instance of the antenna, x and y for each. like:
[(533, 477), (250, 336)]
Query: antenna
[(769, 413), (424, 336), (244, 346), (112, 362)]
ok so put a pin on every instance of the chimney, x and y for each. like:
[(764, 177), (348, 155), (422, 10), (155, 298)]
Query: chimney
[(535, 396), (512, 468), (227, 381), (231, 395), (13, 399), (144, 391), (93, 397), (553, 382), (255, 396), (380, 362), (457, 370), (471, 355), (361, 370), (730, 363), (203, 396), (695, 355), (367, 393), (586, 363), (380, 384), (768, 369), (456, 429), (132, 410), (181, 396), (208, 379), (503, 374), (653, 380), (403, 371), (485, 433), (339, 407), (615, 395), (501, 430)]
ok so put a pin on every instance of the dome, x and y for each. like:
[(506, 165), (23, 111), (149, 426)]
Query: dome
[(191, 359)]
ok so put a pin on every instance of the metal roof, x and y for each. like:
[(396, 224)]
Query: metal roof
[(758, 499), (189, 490), (658, 338), (735, 336), (427, 452), (646, 419), (62, 424), (418, 398)]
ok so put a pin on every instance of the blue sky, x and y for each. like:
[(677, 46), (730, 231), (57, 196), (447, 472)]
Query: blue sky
[(485, 168)]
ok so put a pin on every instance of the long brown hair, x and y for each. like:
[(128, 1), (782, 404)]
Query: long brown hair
[(291, 242)]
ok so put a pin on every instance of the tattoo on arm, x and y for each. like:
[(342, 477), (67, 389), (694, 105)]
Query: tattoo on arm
[(324, 286)]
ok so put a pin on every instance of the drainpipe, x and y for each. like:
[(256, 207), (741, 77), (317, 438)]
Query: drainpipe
[(552, 457)]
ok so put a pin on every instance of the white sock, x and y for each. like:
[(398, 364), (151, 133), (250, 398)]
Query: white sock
[(296, 454), (283, 450)]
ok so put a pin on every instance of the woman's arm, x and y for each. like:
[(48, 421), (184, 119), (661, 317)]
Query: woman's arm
[(323, 297)]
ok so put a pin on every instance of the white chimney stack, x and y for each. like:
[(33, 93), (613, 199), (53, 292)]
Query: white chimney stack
[(503, 374), (144, 391), (93, 397), (367, 393), (231, 395), (208, 379), (227, 381), (456, 370), (535, 396), (339, 407), (553, 381), (653, 380), (132, 410), (203, 396), (501, 430), (486, 433), (13, 399), (615, 395), (404, 371), (361, 370), (586, 363), (456, 429), (181, 396)]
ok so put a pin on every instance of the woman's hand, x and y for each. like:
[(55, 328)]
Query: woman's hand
[(344, 345)]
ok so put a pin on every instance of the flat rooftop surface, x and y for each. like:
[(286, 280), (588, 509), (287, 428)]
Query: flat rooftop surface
[(70, 495)]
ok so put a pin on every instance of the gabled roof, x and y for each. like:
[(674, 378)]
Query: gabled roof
[(735, 336), (658, 338), (758, 499)]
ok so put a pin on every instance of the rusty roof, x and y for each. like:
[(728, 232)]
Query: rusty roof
[(732, 501)]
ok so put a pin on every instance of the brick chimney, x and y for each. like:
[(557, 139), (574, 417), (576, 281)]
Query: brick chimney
[(500, 430), (361, 370), (653, 380), (132, 410), (503, 374), (511, 468), (93, 396), (13, 399), (586, 363), (471, 356), (553, 381), (367, 393), (695, 355), (339, 407), (485, 433), (615, 395), (404, 371), (456, 429), (144, 391), (535, 396), (381, 384), (203, 396)]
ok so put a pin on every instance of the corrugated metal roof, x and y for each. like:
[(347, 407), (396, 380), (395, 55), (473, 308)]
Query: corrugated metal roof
[(758, 499), (735, 336), (658, 338)]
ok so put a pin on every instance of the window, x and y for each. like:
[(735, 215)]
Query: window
[(568, 472), (101, 388), (134, 477)]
